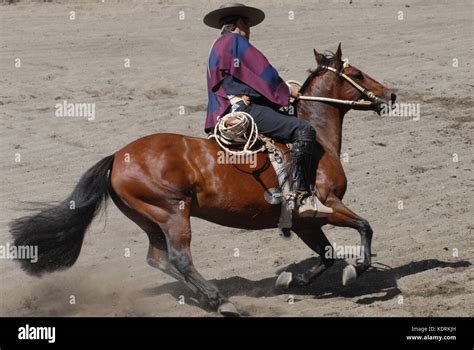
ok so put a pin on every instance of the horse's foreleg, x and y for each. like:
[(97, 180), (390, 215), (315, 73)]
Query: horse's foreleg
[(344, 217), (318, 242)]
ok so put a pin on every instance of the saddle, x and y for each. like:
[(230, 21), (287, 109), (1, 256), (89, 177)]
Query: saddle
[(237, 134)]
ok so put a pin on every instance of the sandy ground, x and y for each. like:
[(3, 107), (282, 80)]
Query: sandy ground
[(415, 271)]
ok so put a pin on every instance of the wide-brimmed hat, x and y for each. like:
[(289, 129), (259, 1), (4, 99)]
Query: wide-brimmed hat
[(214, 18)]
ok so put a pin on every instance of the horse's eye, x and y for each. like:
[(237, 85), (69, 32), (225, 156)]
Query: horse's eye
[(358, 75)]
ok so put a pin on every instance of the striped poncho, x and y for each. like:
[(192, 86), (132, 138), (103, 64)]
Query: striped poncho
[(232, 54)]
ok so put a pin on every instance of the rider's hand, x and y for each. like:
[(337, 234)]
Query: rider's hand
[(294, 91), (246, 100)]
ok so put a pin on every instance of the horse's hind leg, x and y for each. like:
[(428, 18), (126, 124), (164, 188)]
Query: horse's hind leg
[(157, 256), (176, 227), (345, 217), (316, 240), (179, 255)]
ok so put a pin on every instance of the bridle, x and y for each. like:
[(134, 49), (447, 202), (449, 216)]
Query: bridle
[(372, 99)]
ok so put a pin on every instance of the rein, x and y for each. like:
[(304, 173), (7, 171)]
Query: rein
[(372, 98)]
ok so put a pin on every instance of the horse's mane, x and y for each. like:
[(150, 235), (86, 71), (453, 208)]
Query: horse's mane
[(328, 58)]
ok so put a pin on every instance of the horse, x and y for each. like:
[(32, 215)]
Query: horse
[(159, 181)]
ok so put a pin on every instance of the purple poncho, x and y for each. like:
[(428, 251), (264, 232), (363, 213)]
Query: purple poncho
[(232, 54)]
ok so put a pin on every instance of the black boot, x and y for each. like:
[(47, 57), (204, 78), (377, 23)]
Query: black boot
[(301, 190), (301, 153)]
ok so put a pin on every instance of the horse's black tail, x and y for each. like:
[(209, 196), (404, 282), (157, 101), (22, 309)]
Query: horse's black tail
[(58, 231)]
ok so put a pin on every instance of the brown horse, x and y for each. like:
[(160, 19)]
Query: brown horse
[(160, 181)]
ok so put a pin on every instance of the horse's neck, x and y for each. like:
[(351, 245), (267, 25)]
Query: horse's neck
[(327, 120)]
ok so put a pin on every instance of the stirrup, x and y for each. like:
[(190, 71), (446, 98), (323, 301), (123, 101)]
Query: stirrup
[(311, 206)]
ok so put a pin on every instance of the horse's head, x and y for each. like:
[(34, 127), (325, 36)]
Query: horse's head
[(348, 83)]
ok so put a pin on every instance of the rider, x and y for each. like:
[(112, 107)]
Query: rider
[(240, 78)]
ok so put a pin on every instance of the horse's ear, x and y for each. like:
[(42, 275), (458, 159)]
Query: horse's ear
[(338, 54), (319, 57), (338, 57)]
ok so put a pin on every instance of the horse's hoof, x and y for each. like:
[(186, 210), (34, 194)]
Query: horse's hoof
[(349, 275), (228, 310), (283, 281)]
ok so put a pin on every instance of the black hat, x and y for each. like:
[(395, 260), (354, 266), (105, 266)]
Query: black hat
[(214, 18)]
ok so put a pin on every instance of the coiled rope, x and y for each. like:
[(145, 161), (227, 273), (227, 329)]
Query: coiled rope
[(237, 127)]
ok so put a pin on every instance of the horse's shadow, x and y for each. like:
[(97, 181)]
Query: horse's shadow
[(376, 280)]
